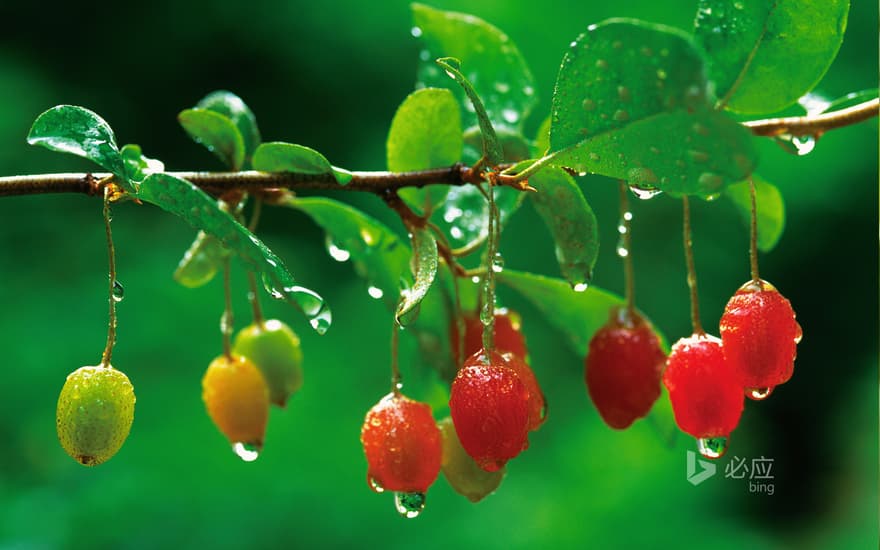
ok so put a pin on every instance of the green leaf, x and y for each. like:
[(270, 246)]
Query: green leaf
[(425, 258), (217, 133), (492, 150), (137, 166), (81, 132), (234, 108), (851, 99), (278, 156), (505, 82), (431, 330), (769, 206), (465, 214), (425, 133), (765, 54), (201, 261), (631, 102), (571, 221), (198, 209), (514, 145), (377, 253), (542, 138)]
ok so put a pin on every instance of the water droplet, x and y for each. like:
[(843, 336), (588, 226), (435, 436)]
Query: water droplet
[(498, 263), (645, 194), (622, 251), (528, 90), (118, 291), (621, 116), (588, 105), (759, 394), (338, 254), (502, 87), (641, 177), (225, 325), (573, 44), (581, 287), (621, 228), (416, 31), (628, 216), (456, 232), (374, 485), (487, 314), (799, 334), (797, 145), (246, 451), (375, 292), (712, 447), (424, 55), (661, 74), (409, 505), (623, 93)]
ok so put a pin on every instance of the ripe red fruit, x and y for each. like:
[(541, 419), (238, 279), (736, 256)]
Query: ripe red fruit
[(760, 336), (623, 368), (707, 398), (507, 335), (537, 401), (402, 444), (489, 405)]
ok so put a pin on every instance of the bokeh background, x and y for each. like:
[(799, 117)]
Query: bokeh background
[(330, 75)]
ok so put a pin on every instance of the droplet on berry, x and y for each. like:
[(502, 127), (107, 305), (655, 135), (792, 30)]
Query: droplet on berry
[(760, 336), (402, 445), (489, 405), (537, 401), (508, 336), (707, 399), (237, 400), (623, 368), (463, 474), (409, 505), (94, 414), (274, 348), (759, 394), (245, 451), (712, 447)]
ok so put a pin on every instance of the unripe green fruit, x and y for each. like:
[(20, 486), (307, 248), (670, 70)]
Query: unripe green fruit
[(95, 412), (274, 348), (461, 471)]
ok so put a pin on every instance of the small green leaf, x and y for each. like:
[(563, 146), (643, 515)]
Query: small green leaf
[(425, 260), (217, 133), (505, 82), (425, 133), (198, 209), (465, 214), (571, 221), (377, 253), (769, 206), (851, 99), (542, 138), (137, 166), (514, 145), (278, 156), (201, 261), (765, 54), (81, 132), (492, 150), (234, 108)]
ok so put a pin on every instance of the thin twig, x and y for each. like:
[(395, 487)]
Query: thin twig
[(691, 270), (814, 125), (111, 272)]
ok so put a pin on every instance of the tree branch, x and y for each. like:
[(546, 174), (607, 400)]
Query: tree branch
[(815, 125)]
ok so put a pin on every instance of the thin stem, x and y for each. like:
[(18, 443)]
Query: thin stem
[(626, 238), (487, 312), (227, 322), (691, 270), (111, 272), (396, 379), (753, 232), (814, 125), (254, 293)]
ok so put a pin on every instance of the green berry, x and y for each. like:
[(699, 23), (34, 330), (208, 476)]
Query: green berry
[(274, 348)]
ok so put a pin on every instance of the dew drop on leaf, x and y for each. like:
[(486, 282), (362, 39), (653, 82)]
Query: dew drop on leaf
[(409, 505), (580, 287), (337, 253), (712, 447), (375, 292)]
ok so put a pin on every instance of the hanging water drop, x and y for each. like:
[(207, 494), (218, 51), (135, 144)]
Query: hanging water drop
[(759, 394), (498, 263), (796, 145), (118, 291), (628, 216), (374, 485), (645, 194), (712, 447), (375, 292), (798, 336), (622, 250), (225, 324), (487, 314), (409, 505), (246, 451), (581, 287)]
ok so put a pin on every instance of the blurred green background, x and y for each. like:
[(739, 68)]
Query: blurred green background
[(330, 76)]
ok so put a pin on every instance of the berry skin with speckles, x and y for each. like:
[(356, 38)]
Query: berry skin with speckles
[(402, 445), (623, 368), (237, 399), (707, 399), (508, 337), (537, 401), (274, 348), (760, 336)]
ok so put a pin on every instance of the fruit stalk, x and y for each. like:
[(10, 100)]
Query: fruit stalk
[(628, 272), (691, 270), (753, 233), (111, 272)]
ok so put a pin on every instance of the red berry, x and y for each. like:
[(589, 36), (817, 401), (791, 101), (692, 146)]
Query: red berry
[(489, 405), (402, 444), (706, 397), (537, 401), (760, 336), (623, 368), (507, 335)]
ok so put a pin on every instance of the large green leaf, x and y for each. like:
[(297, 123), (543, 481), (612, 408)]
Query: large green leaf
[(198, 209), (137, 166), (201, 261), (278, 156), (81, 132), (765, 54), (632, 102), (217, 133), (377, 253), (234, 108), (425, 133), (769, 206), (494, 65), (571, 221), (425, 260)]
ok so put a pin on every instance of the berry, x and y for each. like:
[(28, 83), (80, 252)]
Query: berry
[(760, 336), (402, 445), (623, 368), (94, 414), (490, 409), (507, 335), (462, 473), (537, 401), (237, 399), (706, 396), (274, 348)]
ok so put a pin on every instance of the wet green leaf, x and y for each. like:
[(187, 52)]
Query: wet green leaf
[(234, 108), (377, 253), (81, 132), (425, 260), (571, 221), (425, 133), (505, 82), (765, 54), (201, 261), (632, 102), (278, 156), (513, 144), (217, 133), (198, 209), (542, 138), (137, 166), (769, 206)]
